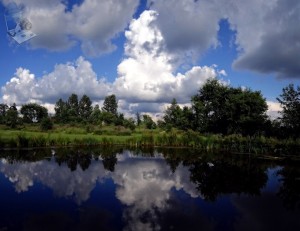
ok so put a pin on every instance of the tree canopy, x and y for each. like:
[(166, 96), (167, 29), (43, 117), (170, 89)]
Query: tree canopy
[(33, 112), (110, 105), (290, 115), (217, 108)]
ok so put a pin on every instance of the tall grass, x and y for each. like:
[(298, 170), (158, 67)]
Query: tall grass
[(259, 145)]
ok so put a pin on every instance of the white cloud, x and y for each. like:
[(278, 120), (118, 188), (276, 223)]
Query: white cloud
[(176, 32), (146, 188), (141, 182), (92, 23), (65, 79), (62, 180), (191, 27), (274, 109), (146, 76)]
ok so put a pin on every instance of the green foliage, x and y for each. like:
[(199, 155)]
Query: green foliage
[(222, 109), (11, 118), (175, 117), (73, 107), (61, 111), (290, 103), (95, 116), (46, 124), (148, 122), (108, 117), (110, 105), (129, 123), (138, 119), (33, 112), (85, 108), (3, 110)]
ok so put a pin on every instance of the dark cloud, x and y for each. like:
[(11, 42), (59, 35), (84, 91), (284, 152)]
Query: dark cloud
[(279, 49)]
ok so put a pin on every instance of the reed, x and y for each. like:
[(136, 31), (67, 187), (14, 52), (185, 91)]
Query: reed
[(258, 145)]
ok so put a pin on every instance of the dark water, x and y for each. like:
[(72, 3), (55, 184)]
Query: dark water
[(168, 189)]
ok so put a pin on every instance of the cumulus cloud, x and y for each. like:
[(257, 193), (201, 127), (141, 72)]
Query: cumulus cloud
[(147, 75), (77, 77), (146, 189), (272, 43), (92, 24), (266, 32), (188, 26), (175, 31), (141, 182), (62, 180)]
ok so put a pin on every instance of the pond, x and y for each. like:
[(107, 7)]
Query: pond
[(156, 189)]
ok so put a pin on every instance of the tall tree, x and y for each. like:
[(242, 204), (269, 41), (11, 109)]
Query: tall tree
[(246, 111), (73, 107), (222, 109), (173, 115), (110, 105), (208, 106), (3, 110), (12, 116), (149, 123), (96, 116), (138, 119), (61, 111), (85, 108), (290, 115)]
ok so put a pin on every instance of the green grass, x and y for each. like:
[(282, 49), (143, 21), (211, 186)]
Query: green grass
[(30, 136)]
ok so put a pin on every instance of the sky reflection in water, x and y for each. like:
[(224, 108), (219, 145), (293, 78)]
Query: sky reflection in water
[(151, 190)]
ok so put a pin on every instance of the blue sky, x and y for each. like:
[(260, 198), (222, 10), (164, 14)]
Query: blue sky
[(148, 52)]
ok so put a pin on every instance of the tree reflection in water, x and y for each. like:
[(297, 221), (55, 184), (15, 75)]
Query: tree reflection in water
[(289, 191), (154, 189)]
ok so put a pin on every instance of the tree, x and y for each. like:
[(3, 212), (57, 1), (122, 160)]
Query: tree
[(290, 114), (138, 119), (208, 107), (96, 116), (110, 105), (85, 108), (187, 118), (46, 124), (222, 109), (61, 111), (33, 112), (149, 123), (173, 115), (73, 107), (129, 123), (107, 117), (119, 120), (246, 111), (12, 116), (3, 110)]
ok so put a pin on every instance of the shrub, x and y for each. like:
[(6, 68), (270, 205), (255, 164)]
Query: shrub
[(46, 124)]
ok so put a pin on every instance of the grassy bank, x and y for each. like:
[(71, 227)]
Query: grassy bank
[(31, 137)]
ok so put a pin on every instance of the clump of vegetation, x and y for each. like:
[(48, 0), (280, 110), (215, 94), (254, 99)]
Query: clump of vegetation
[(220, 118), (46, 124)]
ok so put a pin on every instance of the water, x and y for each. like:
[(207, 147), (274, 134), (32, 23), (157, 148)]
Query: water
[(167, 189)]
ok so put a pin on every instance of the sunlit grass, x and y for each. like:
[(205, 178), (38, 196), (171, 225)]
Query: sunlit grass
[(30, 136)]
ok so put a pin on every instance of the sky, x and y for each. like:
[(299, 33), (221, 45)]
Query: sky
[(149, 52)]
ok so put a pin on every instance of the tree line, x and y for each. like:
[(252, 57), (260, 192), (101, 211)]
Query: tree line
[(215, 109)]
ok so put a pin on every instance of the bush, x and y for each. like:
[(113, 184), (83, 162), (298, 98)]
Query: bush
[(46, 124)]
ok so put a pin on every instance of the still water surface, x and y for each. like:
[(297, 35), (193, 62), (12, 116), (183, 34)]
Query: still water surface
[(168, 189)]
